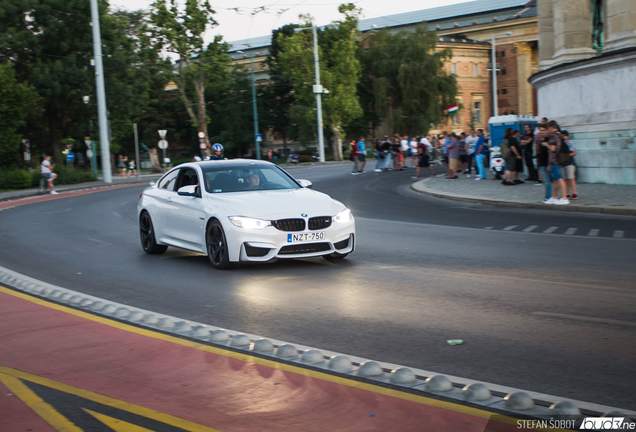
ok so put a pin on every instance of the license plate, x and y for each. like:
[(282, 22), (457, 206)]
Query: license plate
[(305, 237)]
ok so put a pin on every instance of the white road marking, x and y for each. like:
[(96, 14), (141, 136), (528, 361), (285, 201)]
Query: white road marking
[(531, 228), (488, 227), (619, 234), (570, 231), (550, 230), (593, 232), (584, 318), (510, 228)]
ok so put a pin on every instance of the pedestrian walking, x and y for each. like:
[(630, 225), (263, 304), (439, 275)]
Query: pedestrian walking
[(396, 147), (452, 151), (414, 151), (509, 158), (121, 165), (516, 150), (554, 143), (480, 155), (568, 169), (132, 168), (379, 156), (424, 152), (362, 154), (353, 148), (527, 146), (46, 169)]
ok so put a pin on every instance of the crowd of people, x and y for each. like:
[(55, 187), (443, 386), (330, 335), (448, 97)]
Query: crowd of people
[(545, 151)]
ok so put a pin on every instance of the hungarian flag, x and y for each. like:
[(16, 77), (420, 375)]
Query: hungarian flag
[(452, 109)]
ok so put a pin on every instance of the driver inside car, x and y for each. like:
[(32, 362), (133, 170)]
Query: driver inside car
[(253, 181)]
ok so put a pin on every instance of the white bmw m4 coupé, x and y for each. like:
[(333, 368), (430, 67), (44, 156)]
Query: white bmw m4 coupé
[(242, 211)]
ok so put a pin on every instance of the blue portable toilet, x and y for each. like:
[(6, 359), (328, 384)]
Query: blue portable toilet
[(498, 125)]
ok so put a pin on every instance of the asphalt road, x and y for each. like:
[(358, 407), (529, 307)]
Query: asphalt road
[(547, 312)]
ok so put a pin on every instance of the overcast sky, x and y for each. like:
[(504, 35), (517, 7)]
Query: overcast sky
[(242, 19)]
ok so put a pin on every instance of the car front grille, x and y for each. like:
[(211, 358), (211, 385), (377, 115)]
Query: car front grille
[(342, 244), (290, 224), (304, 248), (316, 223), (252, 251)]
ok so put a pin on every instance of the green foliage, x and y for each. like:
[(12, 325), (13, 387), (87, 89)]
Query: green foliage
[(68, 175), (411, 88), (17, 102), (14, 179), (339, 71)]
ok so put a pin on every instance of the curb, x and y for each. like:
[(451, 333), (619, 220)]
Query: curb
[(425, 383), (420, 187)]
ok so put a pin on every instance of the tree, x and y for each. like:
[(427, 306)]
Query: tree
[(278, 95), (181, 33), (411, 88), (339, 71), (17, 102)]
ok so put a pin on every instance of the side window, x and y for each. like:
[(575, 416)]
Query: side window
[(188, 178), (169, 180)]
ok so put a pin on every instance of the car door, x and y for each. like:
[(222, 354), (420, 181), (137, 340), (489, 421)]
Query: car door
[(164, 194), (186, 216)]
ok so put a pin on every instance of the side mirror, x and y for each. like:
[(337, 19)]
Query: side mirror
[(305, 183), (188, 191)]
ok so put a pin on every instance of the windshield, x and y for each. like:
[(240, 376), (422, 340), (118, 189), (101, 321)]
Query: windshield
[(246, 178)]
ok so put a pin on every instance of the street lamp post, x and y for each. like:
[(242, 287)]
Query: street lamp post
[(318, 91), (257, 137), (101, 95), (494, 71)]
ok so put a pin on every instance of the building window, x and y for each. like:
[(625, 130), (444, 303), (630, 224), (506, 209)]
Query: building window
[(454, 68), (504, 91), (503, 53), (503, 71), (477, 112), (476, 70)]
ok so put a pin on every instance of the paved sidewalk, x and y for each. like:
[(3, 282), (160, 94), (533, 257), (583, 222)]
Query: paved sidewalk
[(593, 197)]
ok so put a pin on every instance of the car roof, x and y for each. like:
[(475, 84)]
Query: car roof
[(231, 163)]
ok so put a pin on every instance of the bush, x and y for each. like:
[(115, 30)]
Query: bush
[(304, 158), (70, 176), (15, 179)]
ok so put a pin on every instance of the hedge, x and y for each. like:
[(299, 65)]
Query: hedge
[(22, 179)]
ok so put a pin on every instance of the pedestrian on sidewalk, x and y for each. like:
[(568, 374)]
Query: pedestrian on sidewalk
[(397, 152), (452, 151), (480, 154), (362, 154), (463, 156), (405, 148), (379, 156), (554, 143), (516, 149), (353, 147), (386, 149), (132, 168), (121, 165), (542, 162), (471, 141), (509, 158), (527, 141), (46, 169), (568, 169), (424, 159), (414, 152)]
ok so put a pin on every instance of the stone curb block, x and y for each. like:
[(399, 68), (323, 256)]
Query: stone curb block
[(477, 393)]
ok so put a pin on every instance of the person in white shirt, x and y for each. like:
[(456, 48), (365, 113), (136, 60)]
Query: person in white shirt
[(413, 144), (405, 147), (46, 168), (471, 140)]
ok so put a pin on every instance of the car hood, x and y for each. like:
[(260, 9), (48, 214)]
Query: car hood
[(278, 204)]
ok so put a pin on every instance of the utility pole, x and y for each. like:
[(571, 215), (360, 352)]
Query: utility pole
[(137, 161), (101, 95), (257, 137), (494, 71)]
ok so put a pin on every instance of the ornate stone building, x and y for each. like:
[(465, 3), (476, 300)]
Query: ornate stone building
[(587, 82)]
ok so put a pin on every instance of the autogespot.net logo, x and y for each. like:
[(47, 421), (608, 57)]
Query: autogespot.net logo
[(607, 423)]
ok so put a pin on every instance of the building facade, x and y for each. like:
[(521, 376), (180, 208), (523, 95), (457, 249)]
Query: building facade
[(587, 82)]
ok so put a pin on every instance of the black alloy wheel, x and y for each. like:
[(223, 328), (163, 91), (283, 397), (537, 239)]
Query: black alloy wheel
[(216, 245), (147, 236)]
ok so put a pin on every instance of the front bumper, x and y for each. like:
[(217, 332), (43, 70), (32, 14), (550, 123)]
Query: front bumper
[(270, 243)]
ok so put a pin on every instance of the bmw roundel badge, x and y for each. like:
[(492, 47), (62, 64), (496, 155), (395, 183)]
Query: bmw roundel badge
[(303, 214)]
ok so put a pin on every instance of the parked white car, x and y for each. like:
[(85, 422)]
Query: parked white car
[(242, 210)]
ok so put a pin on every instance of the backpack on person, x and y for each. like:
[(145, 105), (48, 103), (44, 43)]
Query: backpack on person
[(564, 155), (505, 149)]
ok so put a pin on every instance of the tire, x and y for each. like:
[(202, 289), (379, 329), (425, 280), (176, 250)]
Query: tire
[(216, 245), (147, 236)]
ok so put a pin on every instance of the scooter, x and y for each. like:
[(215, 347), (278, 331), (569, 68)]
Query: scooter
[(293, 158), (497, 164)]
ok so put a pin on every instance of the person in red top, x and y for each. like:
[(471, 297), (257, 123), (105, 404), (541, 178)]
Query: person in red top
[(424, 161), (353, 146)]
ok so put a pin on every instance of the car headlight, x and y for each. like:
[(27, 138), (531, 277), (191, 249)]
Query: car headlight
[(249, 223), (343, 216)]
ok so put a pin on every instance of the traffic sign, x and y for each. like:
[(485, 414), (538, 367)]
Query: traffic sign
[(259, 138), (202, 146), (162, 133), (89, 153), (163, 144)]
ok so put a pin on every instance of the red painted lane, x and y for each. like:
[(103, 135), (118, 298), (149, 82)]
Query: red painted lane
[(61, 195), (16, 416), (211, 389)]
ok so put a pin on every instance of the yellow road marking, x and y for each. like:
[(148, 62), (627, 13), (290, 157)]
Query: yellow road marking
[(117, 425), (265, 362), (13, 377), (41, 408)]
